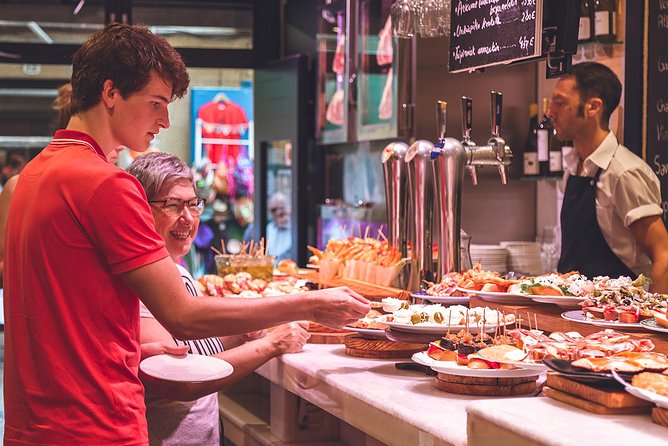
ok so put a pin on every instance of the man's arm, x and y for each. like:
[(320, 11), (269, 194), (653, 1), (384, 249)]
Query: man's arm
[(160, 287), (651, 235)]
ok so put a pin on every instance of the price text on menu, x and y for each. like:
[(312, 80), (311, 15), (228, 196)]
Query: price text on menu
[(490, 32), (656, 136)]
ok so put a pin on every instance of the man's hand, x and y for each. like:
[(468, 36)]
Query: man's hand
[(158, 348), (336, 307)]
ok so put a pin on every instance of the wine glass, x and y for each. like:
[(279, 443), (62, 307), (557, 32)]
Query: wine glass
[(550, 246), (403, 18)]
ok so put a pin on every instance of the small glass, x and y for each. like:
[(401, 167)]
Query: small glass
[(465, 251), (259, 267)]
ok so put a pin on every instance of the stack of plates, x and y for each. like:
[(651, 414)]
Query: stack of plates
[(491, 257), (524, 257)]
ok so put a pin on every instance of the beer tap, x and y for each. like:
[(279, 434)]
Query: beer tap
[(467, 126), (497, 143)]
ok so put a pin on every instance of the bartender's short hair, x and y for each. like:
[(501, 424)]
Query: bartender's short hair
[(126, 55), (158, 172), (595, 80)]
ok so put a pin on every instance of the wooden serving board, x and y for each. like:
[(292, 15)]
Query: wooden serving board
[(590, 406), (660, 416), (328, 338), (610, 397), (315, 327), (481, 386), (360, 347)]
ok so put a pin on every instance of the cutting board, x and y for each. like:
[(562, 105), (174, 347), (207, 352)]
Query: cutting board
[(361, 347), (610, 397), (482, 386), (590, 406), (328, 338), (660, 416)]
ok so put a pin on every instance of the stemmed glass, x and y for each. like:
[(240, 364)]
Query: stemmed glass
[(550, 246)]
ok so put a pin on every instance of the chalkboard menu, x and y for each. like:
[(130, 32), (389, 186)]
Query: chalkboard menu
[(491, 32), (655, 147)]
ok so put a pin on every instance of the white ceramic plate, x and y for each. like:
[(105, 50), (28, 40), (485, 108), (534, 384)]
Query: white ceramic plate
[(643, 394), (651, 324), (538, 367), (451, 368), (374, 333), (562, 301), (451, 300), (500, 298), (312, 266), (188, 368), (577, 316), (437, 329)]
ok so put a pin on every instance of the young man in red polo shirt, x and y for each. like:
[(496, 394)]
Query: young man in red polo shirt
[(81, 248)]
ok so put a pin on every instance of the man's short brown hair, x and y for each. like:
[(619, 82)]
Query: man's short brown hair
[(126, 55)]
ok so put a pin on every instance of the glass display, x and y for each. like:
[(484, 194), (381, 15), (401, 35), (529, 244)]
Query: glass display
[(332, 95), (377, 91), (279, 242)]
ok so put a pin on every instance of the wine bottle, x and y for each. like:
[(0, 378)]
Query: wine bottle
[(585, 33), (543, 134), (605, 20), (530, 153), (555, 162)]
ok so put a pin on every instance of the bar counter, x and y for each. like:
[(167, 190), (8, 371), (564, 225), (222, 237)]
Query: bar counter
[(404, 408)]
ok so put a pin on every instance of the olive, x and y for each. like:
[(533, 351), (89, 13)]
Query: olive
[(424, 317), (404, 305), (438, 317), (415, 318)]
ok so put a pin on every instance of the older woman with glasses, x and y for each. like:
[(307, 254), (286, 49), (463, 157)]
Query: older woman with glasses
[(180, 413)]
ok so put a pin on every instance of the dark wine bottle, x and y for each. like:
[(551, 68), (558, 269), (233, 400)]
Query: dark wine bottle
[(543, 134), (605, 20), (585, 29), (530, 153), (555, 162)]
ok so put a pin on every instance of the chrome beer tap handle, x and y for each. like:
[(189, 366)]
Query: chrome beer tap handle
[(467, 126), (497, 143)]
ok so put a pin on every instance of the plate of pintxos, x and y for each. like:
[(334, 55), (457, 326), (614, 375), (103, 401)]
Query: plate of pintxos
[(652, 387), (578, 316), (651, 324), (449, 300), (499, 298)]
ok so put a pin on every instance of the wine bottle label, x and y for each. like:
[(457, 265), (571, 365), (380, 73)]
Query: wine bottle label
[(531, 163), (601, 24), (555, 161), (584, 30), (543, 145)]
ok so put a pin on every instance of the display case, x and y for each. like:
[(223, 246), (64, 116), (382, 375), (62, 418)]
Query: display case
[(364, 74), (377, 87), (334, 42)]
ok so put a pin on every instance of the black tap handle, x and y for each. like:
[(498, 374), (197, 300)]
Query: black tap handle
[(467, 116), (497, 107), (441, 119)]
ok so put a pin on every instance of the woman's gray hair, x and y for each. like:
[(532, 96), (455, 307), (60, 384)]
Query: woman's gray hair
[(159, 171)]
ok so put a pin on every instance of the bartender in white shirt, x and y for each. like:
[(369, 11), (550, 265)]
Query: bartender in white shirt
[(611, 218)]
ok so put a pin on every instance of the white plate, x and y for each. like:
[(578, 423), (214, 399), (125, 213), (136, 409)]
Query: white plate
[(374, 333), (537, 367), (643, 394), (437, 329), (451, 368), (562, 301), (499, 298), (651, 324), (454, 300), (188, 368), (577, 316), (278, 273), (312, 266)]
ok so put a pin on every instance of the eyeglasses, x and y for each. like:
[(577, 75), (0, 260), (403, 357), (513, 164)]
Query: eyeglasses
[(174, 206)]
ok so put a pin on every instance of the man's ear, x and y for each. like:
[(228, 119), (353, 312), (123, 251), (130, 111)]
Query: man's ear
[(593, 106), (110, 93)]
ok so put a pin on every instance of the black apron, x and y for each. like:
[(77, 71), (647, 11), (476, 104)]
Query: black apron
[(583, 247)]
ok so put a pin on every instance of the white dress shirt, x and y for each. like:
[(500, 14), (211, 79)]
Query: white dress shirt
[(627, 191)]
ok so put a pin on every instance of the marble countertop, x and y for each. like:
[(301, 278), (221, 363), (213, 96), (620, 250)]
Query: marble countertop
[(394, 406)]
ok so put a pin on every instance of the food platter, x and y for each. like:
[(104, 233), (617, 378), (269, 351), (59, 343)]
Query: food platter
[(374, 333), (537, 367), (651, 324), (451, 368), (565, 368), (577, 316), (186, 368), (423, 358), (562, 301), (451, 300), (641, 393), (437, 329), (499, 298)]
